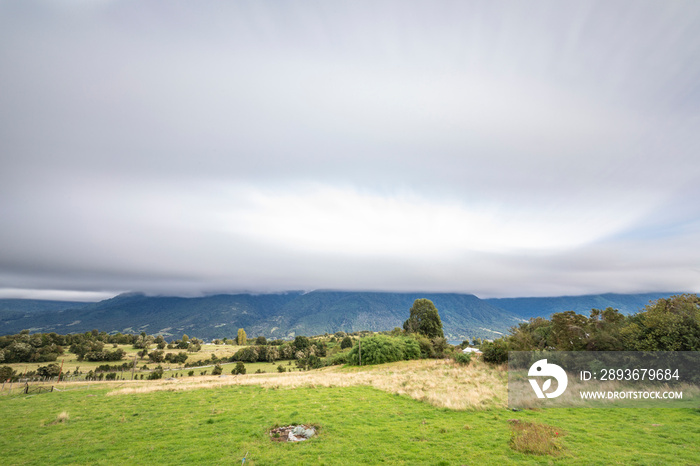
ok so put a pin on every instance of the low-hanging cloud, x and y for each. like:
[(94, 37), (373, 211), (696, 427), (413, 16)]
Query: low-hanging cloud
[(498, 148)]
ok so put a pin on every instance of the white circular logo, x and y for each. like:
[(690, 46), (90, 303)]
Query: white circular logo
[(543, 369)]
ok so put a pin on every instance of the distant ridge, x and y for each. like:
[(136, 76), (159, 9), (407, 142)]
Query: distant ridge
[(544, 307), (281, 315), (285, 315)]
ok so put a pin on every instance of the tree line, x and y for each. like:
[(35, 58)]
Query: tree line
[(668, 324)]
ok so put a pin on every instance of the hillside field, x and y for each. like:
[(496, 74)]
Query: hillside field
[(412, 412)]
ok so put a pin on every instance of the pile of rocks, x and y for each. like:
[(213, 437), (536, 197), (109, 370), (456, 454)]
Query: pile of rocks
[(292, 433)]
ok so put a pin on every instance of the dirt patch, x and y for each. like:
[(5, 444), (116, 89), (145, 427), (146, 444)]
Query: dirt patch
[(292, 433)]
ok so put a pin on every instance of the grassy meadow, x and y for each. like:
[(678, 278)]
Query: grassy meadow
[(412, 412)]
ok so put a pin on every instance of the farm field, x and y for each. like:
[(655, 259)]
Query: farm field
[(415, 412), (70, 360)]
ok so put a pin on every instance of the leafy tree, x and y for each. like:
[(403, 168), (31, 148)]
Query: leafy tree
[(52, 370), (217, 370), (105, 355), (569, 331), (6, 373), (241, 338), (178, 358), (301, 343), (320, 349), (156, 356), (346, 343), (671, 324), (261, 341), (424, 319), (310, 362), (247, 354)]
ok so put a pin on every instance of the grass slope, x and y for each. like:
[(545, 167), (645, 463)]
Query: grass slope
[(357, 425)]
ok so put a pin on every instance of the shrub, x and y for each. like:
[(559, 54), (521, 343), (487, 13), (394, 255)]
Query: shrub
[(338, 359), (156, 374), (381, 349), (217, 370), (495, 352), (346, 343), (239, 369), (425, 345), (281, 368), (463, 358), (440, 346), (190, 373)]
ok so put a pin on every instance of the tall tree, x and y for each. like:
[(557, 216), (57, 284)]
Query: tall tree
[(424, 319), (241, 338)]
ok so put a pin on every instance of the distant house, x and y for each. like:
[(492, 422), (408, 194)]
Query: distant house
[(471, 350)]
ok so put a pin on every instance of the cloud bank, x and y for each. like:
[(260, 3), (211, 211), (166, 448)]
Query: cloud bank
[(498, 148)]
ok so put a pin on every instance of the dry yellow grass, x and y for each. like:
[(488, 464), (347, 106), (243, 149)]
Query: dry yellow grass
[(438, 382)]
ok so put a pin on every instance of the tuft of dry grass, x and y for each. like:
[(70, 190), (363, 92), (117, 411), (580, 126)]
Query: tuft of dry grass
[(61, 418), (440, 383), (535, 439)]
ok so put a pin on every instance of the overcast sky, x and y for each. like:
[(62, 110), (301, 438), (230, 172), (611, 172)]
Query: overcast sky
[(522, 148)]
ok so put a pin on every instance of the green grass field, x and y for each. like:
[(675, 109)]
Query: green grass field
[(357, 425)]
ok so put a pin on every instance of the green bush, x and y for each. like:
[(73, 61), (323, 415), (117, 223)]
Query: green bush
[(156, 374), (247, 354), (346, 343), (338, 359), (463, 358), (217, 370), (495, 352), (425, 345), (239, 369), (380, 349)]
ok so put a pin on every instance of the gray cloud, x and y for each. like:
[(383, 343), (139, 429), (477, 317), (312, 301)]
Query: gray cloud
[(255, 146)]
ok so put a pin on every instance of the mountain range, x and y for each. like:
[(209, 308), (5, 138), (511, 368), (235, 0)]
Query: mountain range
[(285, 315)]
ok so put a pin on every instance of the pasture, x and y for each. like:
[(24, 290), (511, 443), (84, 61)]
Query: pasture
[(413, 412)]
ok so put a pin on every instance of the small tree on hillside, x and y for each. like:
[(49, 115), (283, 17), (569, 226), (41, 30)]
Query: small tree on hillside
[(346, 343), (424, 319), (239, 369), (241, 338)]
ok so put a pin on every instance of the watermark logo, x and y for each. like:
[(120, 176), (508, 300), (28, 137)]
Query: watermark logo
[(542, 368)]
